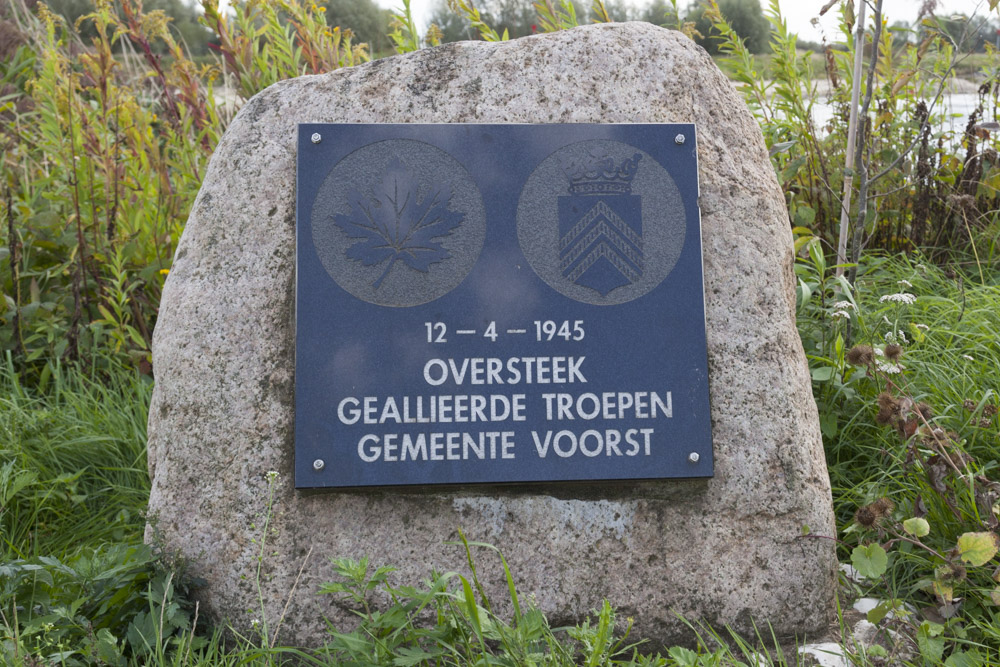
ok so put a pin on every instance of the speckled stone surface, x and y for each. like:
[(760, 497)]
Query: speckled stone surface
[(722, 550)]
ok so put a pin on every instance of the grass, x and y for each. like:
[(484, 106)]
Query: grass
[(76, 453), (954, 360), (915, 438), (74, 486)]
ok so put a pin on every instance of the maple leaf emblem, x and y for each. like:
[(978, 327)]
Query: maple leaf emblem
[(396, 224)]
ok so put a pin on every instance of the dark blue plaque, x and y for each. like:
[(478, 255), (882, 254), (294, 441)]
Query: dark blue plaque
[(499, 304)]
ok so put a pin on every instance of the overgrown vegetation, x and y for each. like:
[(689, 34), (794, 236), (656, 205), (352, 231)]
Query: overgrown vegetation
[(106, 125)]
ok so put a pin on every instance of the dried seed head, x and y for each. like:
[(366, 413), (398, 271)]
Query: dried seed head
[(960, 458), (893, 351), (908, 428), (887, 402), (883, 507), (860, 355), (884, 415), (985, 422), (969, 405), (870, 515), (925, 411), (865, 517), (967, 202), (989, 410), (935, 436), (905, 405), (952, 572)]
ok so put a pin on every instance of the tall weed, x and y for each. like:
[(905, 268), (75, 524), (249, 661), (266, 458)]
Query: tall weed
[(909, 417), (103, 147), (933, 187)]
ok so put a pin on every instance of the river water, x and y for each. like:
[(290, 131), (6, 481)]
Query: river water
[(957, 107)]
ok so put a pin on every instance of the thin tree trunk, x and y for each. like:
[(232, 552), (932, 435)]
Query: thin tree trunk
[(852, 130), (859, 159)]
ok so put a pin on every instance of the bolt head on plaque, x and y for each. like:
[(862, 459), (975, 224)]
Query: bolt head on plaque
[(319, 464), (316, 137), (694, 457), (679, 139)]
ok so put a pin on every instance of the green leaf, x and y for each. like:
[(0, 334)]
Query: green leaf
[(817, 256), (828, 424), (801, 241), (942, 588), (978, 548), (917, 527), (107, 647), (879, 611), (473, 608), (683, 657), (869, 560), (877, 651), (804, 215), (964, 659), (805, 292), (409, 656), (781, 147), (930, 644), (822, 374)]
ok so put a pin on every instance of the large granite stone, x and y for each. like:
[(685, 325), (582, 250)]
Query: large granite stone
[(722, 550)]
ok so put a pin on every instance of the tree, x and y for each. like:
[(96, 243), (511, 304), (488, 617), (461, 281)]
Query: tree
[(659, 12), (183, 16), (619, 11), (967, 34), (453, 27), (369, 22), (517, 17), (745, 16)]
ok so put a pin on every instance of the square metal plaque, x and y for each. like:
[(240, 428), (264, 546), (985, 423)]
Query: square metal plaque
[(499, 304)]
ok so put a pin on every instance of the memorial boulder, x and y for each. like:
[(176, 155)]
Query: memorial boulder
[(565, 326)]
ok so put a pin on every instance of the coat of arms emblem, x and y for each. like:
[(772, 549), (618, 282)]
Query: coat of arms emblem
[(600, 224)]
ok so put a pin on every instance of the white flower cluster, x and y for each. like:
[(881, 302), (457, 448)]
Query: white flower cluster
[(904, 283), (902, 297), (889, 367), (896, 337), (967, 357), (922, 327), (842, 310), (271, 475)]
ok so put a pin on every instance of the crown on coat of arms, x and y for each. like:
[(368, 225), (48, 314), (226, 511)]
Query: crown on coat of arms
[(601, 175)]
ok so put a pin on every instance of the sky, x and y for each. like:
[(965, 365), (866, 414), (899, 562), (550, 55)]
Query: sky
[(798, 13)]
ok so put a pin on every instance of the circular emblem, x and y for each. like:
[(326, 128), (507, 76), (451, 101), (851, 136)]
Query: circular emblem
[(601, 222), (398, 223)]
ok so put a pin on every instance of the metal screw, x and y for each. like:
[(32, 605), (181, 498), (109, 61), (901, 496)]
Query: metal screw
[(318, 464), (693, 457), (316, 138), (679, 139)]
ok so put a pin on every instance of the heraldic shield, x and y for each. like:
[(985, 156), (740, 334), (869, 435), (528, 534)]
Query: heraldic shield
[(600, 225)]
